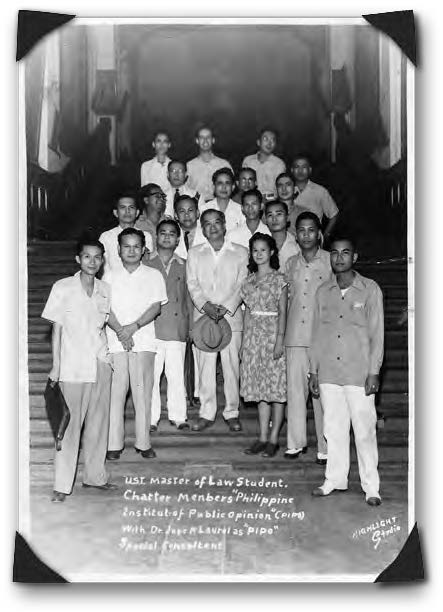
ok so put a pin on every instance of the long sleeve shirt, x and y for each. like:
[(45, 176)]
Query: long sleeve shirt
[(347, 332), (216, 277)]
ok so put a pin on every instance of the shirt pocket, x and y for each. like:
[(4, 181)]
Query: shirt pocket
[(358, 314)]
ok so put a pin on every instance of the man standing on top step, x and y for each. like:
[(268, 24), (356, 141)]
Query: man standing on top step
[(346, 355)]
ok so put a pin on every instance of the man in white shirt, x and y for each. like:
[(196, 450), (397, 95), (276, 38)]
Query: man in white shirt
[(178, 185), (252, 209), (267, 165), (137, 294), (215, 272), (223, 180), (202, 167), (126, 212), (155, 170), (312, 196), (276, 217)]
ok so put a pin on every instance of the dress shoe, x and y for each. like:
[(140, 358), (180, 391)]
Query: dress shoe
[(180, 426), (149, 453), (255, 448), (373, 501), (58, 497), (153, 428), (289, 455), (270, 450), (233, 424), (201, 424), (321, 459), (323, 492), (108, 486), (113, 455)]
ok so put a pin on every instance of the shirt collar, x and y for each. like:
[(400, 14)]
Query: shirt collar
[(358, 282), (96, 287)]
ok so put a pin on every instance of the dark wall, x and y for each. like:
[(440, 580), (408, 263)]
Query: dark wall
[(237, 79)]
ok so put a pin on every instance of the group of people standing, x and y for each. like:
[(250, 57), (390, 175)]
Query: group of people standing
[(234, 265)]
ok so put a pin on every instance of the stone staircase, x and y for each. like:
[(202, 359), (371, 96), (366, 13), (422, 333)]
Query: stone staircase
[(49, 261)]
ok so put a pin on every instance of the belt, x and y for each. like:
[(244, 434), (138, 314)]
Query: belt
[(264, 313)]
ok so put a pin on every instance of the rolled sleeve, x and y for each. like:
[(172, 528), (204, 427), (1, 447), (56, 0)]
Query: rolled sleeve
[(329, 206)]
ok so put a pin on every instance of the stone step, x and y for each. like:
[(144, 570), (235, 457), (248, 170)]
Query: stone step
[(43, 438), (393, 463)]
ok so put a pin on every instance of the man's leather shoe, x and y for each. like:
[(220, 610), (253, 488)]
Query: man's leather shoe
[(255, 448), (288, 455), (113, 455), (233, 424), (149, 453), (58, 497), (153, 428), (180, 426), (373, 501), (108, 486), (321, 461), (320, 492), (270, 450), (201, 424)]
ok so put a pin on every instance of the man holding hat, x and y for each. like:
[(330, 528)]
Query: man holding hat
[(215, 272)]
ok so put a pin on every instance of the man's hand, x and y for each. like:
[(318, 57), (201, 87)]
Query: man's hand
[(54, 374), (314, 386), (211, 310), (372, 384), (126, 332), (278, 347), (127, 344)]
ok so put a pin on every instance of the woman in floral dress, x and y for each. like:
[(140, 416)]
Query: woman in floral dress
[(263, 365)]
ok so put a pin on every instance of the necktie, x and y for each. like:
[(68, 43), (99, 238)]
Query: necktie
[(296, 194), (186, 237), (176, 195)]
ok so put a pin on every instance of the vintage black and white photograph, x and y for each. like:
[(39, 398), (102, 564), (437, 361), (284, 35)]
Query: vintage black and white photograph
[(217, 301)]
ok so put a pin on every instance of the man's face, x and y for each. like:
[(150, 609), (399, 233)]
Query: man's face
[(177, 174), (186, 214), (213, 227), (307, 234), (205, 140), (90, 260), (276, 217), (301, 169), (267, 142), (223, 186), (131, 250), (342, 256), (156, 201), (246, 180), (126, 211), (285, 189), (167, 237), (251, 207), (161, 144)]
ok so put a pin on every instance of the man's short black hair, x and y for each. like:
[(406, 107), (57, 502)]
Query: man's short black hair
[(220, 171), (285, 175), (344, 238), (252, 192), (132, 231), (271, 202), (247, 169), (172, 222), (302, 155), (176, 161), (88, 239), (307, 214), (126, 193), (148, 189), (184, 197), (204, 126), (164, 132), (268, 128), (206, 212)]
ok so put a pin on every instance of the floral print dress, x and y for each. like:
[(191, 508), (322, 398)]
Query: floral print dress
[(262, 378)]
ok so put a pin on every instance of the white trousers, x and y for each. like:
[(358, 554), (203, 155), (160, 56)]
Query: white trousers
[(343, 406), (170, 356), (208, 388), (297, 370), (136, 370)]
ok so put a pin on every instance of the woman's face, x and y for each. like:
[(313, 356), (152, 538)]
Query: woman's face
[(261, 253)]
